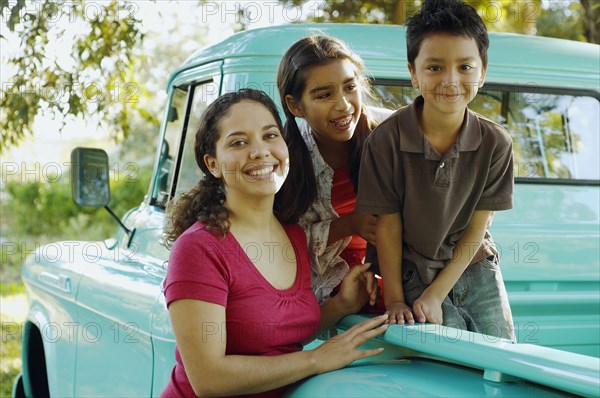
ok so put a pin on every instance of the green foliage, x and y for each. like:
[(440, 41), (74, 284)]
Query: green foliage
[(10, 355), (35, 213), (96, 81), (562, 19), (569, 19), (11, 289)]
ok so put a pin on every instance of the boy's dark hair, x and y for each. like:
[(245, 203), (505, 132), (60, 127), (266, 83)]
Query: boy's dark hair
[(445, 16)]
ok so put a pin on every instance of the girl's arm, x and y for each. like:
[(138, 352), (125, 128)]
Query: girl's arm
[(198, 328), (358, 288), (353, 224)]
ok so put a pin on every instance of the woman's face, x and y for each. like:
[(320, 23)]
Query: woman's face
[(331, 102), (251, 156)]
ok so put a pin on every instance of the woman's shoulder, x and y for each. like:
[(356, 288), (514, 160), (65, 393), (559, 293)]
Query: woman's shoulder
[(195, 235), (297, 235), (295, 231)]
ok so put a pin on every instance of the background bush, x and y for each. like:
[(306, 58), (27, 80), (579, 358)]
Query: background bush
[(35, 213)]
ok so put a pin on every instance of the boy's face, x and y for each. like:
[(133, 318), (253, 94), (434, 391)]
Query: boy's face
[(448, 71)]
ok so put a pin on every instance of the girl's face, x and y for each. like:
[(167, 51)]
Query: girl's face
[(251, 156), (331, 102)]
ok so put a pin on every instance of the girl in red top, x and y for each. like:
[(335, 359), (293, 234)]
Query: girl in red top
[(322, 83), (238, 283)]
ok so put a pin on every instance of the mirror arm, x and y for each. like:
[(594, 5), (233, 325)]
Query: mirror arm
[(128, 231)]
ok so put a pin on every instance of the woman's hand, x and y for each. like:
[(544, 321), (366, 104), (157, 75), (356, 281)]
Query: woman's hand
[(342, 349)]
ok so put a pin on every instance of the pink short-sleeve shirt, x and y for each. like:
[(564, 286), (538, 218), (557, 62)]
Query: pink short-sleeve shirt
[(261, 320)]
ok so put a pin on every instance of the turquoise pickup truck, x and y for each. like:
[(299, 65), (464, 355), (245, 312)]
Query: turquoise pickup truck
[(97, 323)]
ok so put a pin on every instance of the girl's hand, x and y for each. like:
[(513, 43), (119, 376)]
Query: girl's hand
[(342, 349), (364, 226), (399, 313), (358, 288)]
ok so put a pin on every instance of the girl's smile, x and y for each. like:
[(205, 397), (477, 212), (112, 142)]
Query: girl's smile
[(331, 102)]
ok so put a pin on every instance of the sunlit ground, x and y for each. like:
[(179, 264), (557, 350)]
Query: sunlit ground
[(12, 314)]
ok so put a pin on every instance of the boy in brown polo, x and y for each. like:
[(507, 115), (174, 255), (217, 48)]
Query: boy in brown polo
[(434, 172)]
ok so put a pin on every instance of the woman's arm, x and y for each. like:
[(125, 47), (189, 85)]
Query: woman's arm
[(201, 338)]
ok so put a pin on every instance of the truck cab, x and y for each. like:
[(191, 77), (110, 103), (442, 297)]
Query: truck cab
[(98, 325)]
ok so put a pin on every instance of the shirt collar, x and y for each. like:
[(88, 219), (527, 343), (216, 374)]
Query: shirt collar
[(413, 139)]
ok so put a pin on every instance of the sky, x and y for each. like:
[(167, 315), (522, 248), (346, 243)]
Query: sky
[(49, 148)]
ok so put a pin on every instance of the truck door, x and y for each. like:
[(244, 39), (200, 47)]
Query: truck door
[(120, 294)]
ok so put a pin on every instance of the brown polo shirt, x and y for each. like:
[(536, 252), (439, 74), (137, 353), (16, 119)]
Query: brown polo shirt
[(435, 194)]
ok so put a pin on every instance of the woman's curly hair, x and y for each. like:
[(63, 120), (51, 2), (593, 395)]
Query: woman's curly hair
[(205, 201)]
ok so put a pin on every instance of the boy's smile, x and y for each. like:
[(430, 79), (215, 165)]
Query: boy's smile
[(448, 71)]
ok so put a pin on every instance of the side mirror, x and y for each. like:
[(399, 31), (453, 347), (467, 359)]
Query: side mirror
[(90, 182), (89, 177)]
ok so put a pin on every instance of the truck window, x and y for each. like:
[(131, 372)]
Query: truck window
[(168, 151), (189, 173), (555, 135)]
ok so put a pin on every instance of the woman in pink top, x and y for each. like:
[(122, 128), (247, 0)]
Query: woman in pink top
[(238, 284)]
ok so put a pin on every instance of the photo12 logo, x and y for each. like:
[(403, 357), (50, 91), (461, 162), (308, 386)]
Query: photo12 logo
[(66, 251), (88, 92), (248, 12), (54, 172), (60, 12), (77, 332)]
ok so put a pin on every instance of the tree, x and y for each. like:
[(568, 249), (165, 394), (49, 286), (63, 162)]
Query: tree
[(367, 11), (591, 20), (95, 81), (99, 80), (569, 19)]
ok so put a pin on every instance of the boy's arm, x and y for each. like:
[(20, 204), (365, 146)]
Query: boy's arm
[(428, 306), (388, 237)]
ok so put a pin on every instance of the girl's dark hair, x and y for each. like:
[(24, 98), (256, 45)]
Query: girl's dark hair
[(205, 201), (300, 189), (445, 16)]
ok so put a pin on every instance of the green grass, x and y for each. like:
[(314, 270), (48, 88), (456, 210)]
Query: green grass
[(12, 289), (10, 337), (10, 355)]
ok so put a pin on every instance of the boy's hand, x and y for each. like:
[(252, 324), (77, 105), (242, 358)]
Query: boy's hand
[(364, 226), (399, 313), (427, 308)]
